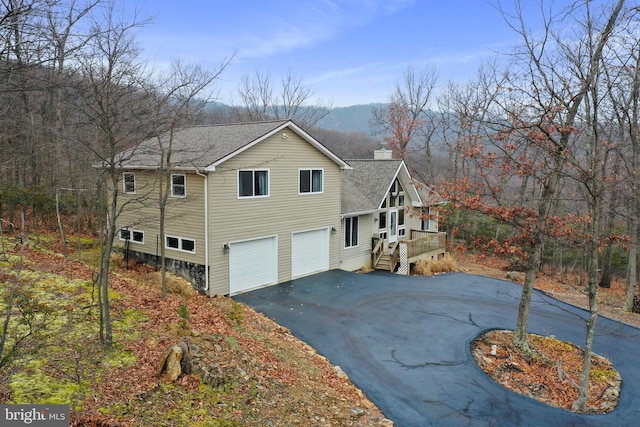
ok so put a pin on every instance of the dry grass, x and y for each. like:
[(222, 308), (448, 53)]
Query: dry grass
[(430, 267)]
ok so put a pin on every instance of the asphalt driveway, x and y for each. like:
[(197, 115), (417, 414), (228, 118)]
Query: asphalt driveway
[(405, 341)]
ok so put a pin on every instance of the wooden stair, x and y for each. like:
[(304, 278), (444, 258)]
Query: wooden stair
[(385, 262)]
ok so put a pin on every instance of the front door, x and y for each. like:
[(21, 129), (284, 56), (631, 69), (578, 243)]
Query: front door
[(393, 226)]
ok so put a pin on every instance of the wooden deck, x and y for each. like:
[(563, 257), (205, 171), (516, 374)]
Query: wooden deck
[(420, 245)]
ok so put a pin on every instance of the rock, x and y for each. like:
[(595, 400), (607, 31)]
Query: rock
[(386, 423), (367, 403), (171, 366), (611, 394), (340, 373), (185, 359), (212, 375)]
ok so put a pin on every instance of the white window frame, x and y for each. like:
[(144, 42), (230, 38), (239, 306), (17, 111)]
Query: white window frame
[(311, 171), (173, 186), (253, 183), (425, 218), (124, 182), (131, 234), (350, 244), (402, 227), (181, 241)]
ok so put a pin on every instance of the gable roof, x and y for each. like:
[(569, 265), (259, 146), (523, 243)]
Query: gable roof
[(366, 185), (205, 147)]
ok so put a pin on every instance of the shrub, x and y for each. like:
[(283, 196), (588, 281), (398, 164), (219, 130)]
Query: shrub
[(428, 267)]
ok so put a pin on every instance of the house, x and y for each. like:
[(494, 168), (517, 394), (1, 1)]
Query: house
[(251, 205), (385, 212), (255, 204)]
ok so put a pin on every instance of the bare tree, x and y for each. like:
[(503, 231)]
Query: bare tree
[(262, 100), (183, 96), (623, 82), (408, 118), (116, 104), (66, 41)]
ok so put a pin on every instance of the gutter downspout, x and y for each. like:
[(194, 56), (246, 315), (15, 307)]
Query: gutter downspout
[(206, 229)]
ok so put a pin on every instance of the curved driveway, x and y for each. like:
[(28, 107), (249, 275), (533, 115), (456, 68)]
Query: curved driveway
[(405, 342)]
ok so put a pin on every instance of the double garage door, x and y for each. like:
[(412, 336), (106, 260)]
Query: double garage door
[(254, 263)]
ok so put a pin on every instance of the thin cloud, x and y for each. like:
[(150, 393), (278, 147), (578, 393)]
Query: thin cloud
[(307, 24)]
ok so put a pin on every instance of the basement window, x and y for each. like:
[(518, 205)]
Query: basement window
[(132, 235), (180, 244)]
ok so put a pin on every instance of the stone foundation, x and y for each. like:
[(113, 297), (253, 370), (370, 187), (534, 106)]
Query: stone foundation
[(194, 273)]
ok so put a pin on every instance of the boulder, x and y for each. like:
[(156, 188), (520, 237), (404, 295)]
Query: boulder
[(170, 364)]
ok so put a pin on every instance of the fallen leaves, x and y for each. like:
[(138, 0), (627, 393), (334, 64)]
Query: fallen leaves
[(268, 377), (550, 374)]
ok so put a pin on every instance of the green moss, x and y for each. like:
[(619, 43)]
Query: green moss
[(557, 345), (601, 375), (34, 385), (232, 342), (120, 358), (236, 313), (127, 326), (184, 408)]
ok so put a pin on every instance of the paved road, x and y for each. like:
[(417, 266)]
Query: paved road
[(405, 341)]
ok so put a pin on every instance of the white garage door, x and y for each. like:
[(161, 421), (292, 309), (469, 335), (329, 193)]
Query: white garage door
[(310, 252), (252, 264)]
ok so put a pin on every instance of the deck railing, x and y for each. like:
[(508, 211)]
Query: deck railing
[(421, 242)]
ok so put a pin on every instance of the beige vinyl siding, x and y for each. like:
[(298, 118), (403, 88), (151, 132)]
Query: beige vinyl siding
[(412, 220), (184, 216), (355, 258), (283, 212)]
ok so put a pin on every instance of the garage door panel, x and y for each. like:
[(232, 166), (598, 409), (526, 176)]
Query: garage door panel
[(253, 264), (310, 252)]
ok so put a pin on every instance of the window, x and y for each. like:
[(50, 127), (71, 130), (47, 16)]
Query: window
[(180, 244), (382, 220), (425, 218), (253, 183), (132, 235), (173, 242), (310, 181), (401, 228), (129, 182), (178, 185), (350, 232)]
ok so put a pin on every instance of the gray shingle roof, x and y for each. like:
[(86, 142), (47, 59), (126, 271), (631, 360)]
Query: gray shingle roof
[(198, 146), (365, 186)]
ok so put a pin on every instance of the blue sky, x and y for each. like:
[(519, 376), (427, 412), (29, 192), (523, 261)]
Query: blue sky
[(349, 51)]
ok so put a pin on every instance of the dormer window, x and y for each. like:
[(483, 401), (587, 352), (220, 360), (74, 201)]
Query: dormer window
[(396, 194)]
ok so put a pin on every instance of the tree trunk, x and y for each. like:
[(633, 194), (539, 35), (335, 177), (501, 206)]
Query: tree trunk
[(522, 324), (632, 272)]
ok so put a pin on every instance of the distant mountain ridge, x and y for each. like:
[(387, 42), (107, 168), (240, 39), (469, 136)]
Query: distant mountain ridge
[(354, 118)]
